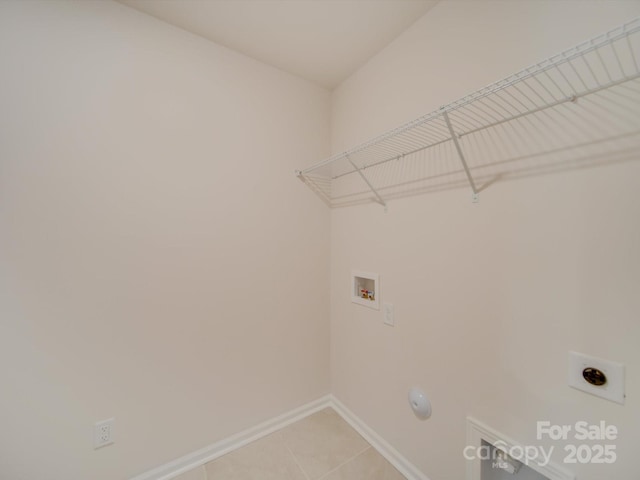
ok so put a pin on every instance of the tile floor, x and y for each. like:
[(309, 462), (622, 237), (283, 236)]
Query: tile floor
[(321, 446)]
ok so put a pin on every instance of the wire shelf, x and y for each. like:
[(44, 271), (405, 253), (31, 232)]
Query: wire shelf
[(577, 109)]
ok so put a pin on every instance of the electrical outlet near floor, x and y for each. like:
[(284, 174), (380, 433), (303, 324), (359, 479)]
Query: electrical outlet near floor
[(103, 433)]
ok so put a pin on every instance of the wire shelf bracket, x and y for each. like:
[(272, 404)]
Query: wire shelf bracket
[(362, 175), (576, 109), (454, 138)]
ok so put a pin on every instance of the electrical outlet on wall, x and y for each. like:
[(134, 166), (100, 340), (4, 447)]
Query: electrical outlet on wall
[(103, 433), (610, 384), (389, 314)]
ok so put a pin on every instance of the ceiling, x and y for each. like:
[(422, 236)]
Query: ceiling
[(324, 41)]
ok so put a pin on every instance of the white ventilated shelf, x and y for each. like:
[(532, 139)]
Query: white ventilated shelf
[(577, 109)]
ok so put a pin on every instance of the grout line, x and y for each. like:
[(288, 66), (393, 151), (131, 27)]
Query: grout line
[(295, 459), (345, 462), (395, 458)]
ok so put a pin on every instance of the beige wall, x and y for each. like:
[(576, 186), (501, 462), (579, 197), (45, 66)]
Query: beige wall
[(159, 262), (489, 297)]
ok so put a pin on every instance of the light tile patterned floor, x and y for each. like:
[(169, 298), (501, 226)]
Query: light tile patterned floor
[(320, 447)]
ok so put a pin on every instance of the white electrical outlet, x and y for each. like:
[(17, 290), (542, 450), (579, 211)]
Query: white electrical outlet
[(103, 433), (389, 314)]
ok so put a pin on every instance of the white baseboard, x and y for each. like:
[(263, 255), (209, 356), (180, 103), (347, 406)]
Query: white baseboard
[(207, 454), (195, 459), (404, 466)]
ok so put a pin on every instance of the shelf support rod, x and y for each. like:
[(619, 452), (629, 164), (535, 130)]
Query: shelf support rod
[(454, 137), (380, 200)]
